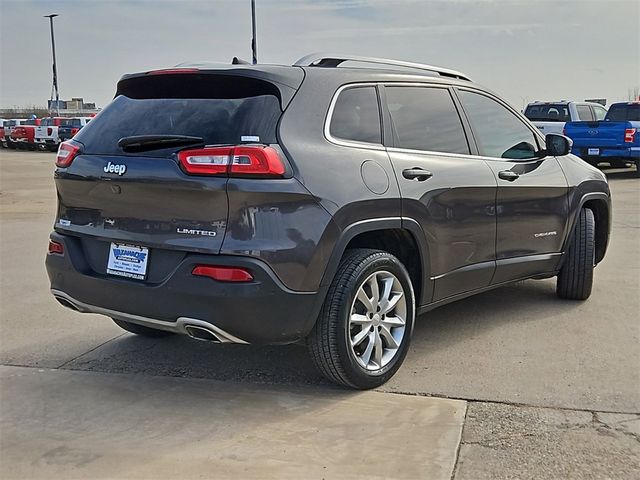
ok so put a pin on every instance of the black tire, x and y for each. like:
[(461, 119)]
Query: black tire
[(329, 342), (618, 163), (576, 275), (638, 168), (141, 330)]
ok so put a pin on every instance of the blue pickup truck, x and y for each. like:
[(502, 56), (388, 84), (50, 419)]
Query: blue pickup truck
[(615, 140)]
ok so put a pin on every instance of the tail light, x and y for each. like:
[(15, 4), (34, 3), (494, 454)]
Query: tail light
[(240, 160), (223, 274), (49, 131), (629, 134), (67, 151), (74, 131), (55, 247)]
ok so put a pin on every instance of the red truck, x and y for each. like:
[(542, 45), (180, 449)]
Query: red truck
[(24, 135)]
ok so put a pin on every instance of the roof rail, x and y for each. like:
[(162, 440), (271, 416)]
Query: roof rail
[(331, 60)]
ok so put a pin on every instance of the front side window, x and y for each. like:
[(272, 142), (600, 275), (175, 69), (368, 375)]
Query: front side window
[(498, 132), (600, 112), (356, 116), (584, 113), (426, 119)]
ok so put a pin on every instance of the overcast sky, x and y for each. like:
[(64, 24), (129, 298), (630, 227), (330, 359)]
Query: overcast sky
[(525, 50)]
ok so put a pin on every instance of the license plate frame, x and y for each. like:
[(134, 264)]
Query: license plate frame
[(127, 260), (593, 151)]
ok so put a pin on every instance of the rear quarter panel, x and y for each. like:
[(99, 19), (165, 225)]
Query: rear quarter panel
[(332, 173)]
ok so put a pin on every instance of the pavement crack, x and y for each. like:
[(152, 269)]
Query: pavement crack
[(89, 351), (610, 428)]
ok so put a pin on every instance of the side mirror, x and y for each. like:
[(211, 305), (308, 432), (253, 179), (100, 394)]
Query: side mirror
[(558, 145)]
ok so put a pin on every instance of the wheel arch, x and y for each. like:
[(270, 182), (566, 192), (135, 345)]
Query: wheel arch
[(600, 204), (398, 236)]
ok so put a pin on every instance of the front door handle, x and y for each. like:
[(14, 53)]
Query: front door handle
[(508, 175), (417, 173)]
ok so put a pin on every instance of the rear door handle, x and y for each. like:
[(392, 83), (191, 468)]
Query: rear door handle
[(417, 173), (508, 175)]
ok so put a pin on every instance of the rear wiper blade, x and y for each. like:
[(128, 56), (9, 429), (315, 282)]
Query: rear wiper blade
[(138, 143)]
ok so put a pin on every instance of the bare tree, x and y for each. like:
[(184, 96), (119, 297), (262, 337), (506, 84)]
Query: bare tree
[(633, 93)]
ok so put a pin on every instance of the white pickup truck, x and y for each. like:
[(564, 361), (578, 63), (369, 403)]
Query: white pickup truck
[(46, 134), (550, 117)]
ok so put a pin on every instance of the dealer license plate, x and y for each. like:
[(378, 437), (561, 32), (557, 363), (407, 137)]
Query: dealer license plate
[(593, 151), (128, 261)]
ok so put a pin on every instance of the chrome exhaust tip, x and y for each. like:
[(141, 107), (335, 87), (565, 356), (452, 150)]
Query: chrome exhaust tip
[(201, 333)]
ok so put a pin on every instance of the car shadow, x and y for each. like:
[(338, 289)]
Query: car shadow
[(619, 173), (181, 356)]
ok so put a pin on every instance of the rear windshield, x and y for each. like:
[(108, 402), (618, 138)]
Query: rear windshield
[(548, 113), (221, 110), (625, 112)]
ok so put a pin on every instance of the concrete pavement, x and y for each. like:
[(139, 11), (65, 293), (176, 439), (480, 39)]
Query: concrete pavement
[(70, 424)]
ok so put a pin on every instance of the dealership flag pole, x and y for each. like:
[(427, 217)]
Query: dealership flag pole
[(55, 71), (254, 46)]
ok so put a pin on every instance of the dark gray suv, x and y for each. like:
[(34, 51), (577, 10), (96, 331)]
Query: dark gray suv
[(330, 201)]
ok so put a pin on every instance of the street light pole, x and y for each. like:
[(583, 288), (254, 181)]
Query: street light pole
[(254, 46), (55, 71)]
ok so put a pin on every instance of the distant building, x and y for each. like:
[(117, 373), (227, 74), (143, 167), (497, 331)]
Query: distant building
[(75, 105)]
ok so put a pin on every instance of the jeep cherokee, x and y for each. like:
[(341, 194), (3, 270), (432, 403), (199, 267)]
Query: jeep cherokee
[(331, 201)]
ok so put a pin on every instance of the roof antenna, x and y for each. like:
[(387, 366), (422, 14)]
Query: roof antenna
[(254, 46)]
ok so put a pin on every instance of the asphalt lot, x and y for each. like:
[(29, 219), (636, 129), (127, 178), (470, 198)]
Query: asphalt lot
[(553, 387)]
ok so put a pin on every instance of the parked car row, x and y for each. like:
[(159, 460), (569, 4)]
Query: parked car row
[(44, 134), (598, 135)]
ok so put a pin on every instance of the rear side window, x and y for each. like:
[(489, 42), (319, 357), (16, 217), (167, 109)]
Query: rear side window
[(584, 113), (223, 110), (498, 132), (548, 113), (426, 119), (356, 116), (626, 112)]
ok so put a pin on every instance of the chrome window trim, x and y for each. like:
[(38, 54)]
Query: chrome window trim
[(437, 154), (469, 156), (351, 143)]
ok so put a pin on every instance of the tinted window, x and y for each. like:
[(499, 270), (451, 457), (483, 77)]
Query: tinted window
[(584, 113), (600, 112), (548, 113), (426, 119), (227, 111), (498, 132), (356, 116), (624, 112), (71, 122)]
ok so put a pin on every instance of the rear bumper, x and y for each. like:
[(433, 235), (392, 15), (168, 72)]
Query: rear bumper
[(47, 141), (263, 311), (632, 153)]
